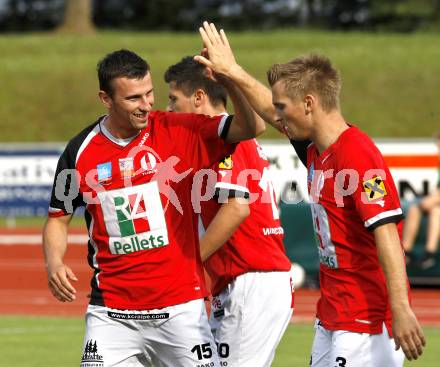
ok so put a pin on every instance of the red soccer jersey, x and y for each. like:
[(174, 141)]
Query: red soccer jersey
[(351, 192), (257, 245), (143, 244)]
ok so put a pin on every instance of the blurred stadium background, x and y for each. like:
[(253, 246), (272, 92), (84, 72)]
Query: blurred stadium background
[(387, 50)]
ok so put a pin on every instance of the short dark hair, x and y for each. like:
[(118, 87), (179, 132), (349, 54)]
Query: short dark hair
[(189, 75), (122, 63)]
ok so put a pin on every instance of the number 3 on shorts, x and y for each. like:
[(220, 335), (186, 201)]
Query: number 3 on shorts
[(342, 362)]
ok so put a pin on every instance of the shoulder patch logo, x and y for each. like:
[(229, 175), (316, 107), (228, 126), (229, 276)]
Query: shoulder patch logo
[(374, 188), (226, 163)]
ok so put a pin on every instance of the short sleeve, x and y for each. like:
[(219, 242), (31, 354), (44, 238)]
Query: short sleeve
[(65, 197), (232, 180), (374, 193)]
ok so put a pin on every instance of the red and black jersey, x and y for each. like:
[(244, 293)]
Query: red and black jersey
[(352, 192), (143, 244), (257, 244)]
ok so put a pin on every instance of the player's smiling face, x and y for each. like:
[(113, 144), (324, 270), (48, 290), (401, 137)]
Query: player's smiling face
[(131, 103), (291, 113)]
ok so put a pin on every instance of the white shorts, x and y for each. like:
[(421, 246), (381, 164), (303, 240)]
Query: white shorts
[(346, 348), (173, 336), (249, 317)]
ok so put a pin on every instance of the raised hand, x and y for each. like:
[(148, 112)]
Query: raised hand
[(217, 53)]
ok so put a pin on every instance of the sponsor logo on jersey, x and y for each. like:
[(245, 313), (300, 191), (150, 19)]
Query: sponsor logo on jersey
[(273, 230), (140, 242), (144, 139), (126, 166), (104, 171), (226, 163), (91, 357), (149, 163), (374, 188), (134, 218)]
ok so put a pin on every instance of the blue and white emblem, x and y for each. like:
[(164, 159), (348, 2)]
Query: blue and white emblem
[(104, 171)]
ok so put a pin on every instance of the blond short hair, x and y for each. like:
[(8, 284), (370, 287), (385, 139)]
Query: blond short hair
[(310, 74)]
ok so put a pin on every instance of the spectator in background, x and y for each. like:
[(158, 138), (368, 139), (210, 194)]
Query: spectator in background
[(430, 206)]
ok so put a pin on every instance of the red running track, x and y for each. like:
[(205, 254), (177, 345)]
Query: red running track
[(23, 288)]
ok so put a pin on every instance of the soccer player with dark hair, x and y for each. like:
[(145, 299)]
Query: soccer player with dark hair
[(131, 169), (241, 239)]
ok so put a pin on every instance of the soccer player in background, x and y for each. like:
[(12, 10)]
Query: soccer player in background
[(131, 170), (364, 316), (241, 239)]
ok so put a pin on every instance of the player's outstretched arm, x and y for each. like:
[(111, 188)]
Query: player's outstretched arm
[(228, 218), (406, 329), (221, 60), (54, 246)]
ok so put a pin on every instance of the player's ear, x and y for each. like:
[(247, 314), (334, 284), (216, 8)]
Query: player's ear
[(309, 103), (105, 98), (199, 97)]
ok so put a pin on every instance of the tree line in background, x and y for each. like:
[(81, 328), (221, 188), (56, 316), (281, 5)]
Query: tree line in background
[(83, 16)]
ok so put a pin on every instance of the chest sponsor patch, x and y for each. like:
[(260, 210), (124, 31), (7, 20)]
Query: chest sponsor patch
[(104, 171), (134, 218), (126, 166), (374, 188)]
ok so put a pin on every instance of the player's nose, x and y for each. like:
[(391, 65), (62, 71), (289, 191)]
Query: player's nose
[(146, 104)]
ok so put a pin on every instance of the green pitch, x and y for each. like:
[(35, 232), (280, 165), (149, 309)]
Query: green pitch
[(49, 87), (44, 341)]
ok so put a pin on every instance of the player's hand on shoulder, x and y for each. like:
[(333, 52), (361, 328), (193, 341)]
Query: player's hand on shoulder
[(408, 334), (59, 279)]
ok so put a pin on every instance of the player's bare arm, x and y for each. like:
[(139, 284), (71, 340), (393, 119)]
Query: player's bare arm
[(406, 329), (247, 123), (222, 61), (55, 245), (228, 218)]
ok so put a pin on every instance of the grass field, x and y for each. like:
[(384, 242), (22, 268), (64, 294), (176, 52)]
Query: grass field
[(48, 81), (42, 342)]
